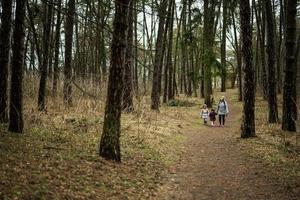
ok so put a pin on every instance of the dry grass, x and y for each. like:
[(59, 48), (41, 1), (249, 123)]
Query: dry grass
[(57, 156), (278, 150)]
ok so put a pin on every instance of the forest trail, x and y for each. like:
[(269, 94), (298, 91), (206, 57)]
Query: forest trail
[(212, 166)]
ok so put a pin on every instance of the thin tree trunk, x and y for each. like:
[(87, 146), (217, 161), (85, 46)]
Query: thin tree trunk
[(238, 57), (57, 43), (15, 107), (44, 68), (272, 94), (155, 94), (129, 64), (110, 139), (168, 64), (223, 47), (68, 53), (5, 33), (248, 123)]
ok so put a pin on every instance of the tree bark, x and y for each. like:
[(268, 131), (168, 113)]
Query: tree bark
[(169, 59), (223, 47), (129, 64), (289, 116), (5, 33), (155, 94), (44, 68), (238, 57), (248, 123), (272, 94), (15, 107), (56, 53), (208, 50), (68, 53), (110, 139)]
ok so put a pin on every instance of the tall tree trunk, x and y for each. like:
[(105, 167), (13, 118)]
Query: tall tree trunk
[(56, 53), (68, 53), (44, 68), (208, 50), (155, 94), (5, 32), (248, 123), (168, 62), (110, 139), (223, 47), (289, 116), (238, 57), (129, 64), (170, 53), (15, 106), (183, 48), (272, 94), (136, 52)]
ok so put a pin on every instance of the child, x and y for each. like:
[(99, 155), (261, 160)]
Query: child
[(212, 117), (204, 113)]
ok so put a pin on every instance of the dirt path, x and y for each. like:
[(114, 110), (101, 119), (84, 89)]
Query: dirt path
[(213, 167)]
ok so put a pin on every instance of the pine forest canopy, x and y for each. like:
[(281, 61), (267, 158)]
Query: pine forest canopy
[(161, 49)]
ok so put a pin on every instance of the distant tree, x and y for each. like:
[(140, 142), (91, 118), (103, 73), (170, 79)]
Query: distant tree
[(248, 123), (110, 139), (46, 43), (68, 52), (289, 116), (129, 64), (272, 94), (56, 51), (171, 67), (208, 43), (223, 47), (15, 106), (5, 33), (155, 94)]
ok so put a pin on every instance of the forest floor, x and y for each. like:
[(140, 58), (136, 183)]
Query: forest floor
[(165, 155), (216, 164)]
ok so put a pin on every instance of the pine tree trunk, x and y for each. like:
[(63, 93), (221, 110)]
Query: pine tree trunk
[(208, 51), (15, 107), (155, 94), (56, 53), (272, 94), (5, 33), (169, 59), (68, 53), (223, 47), (289, 116), (183, 48), (238, 57), (110, 139), (168, 63), (136, 52), (129, 64), (248, 123), (44, 68)]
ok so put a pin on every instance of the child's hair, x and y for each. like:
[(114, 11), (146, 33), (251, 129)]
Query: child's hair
[(212, 110), (204, 106)]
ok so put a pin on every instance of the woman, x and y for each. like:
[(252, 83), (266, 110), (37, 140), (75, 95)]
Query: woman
[(222, 110)]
